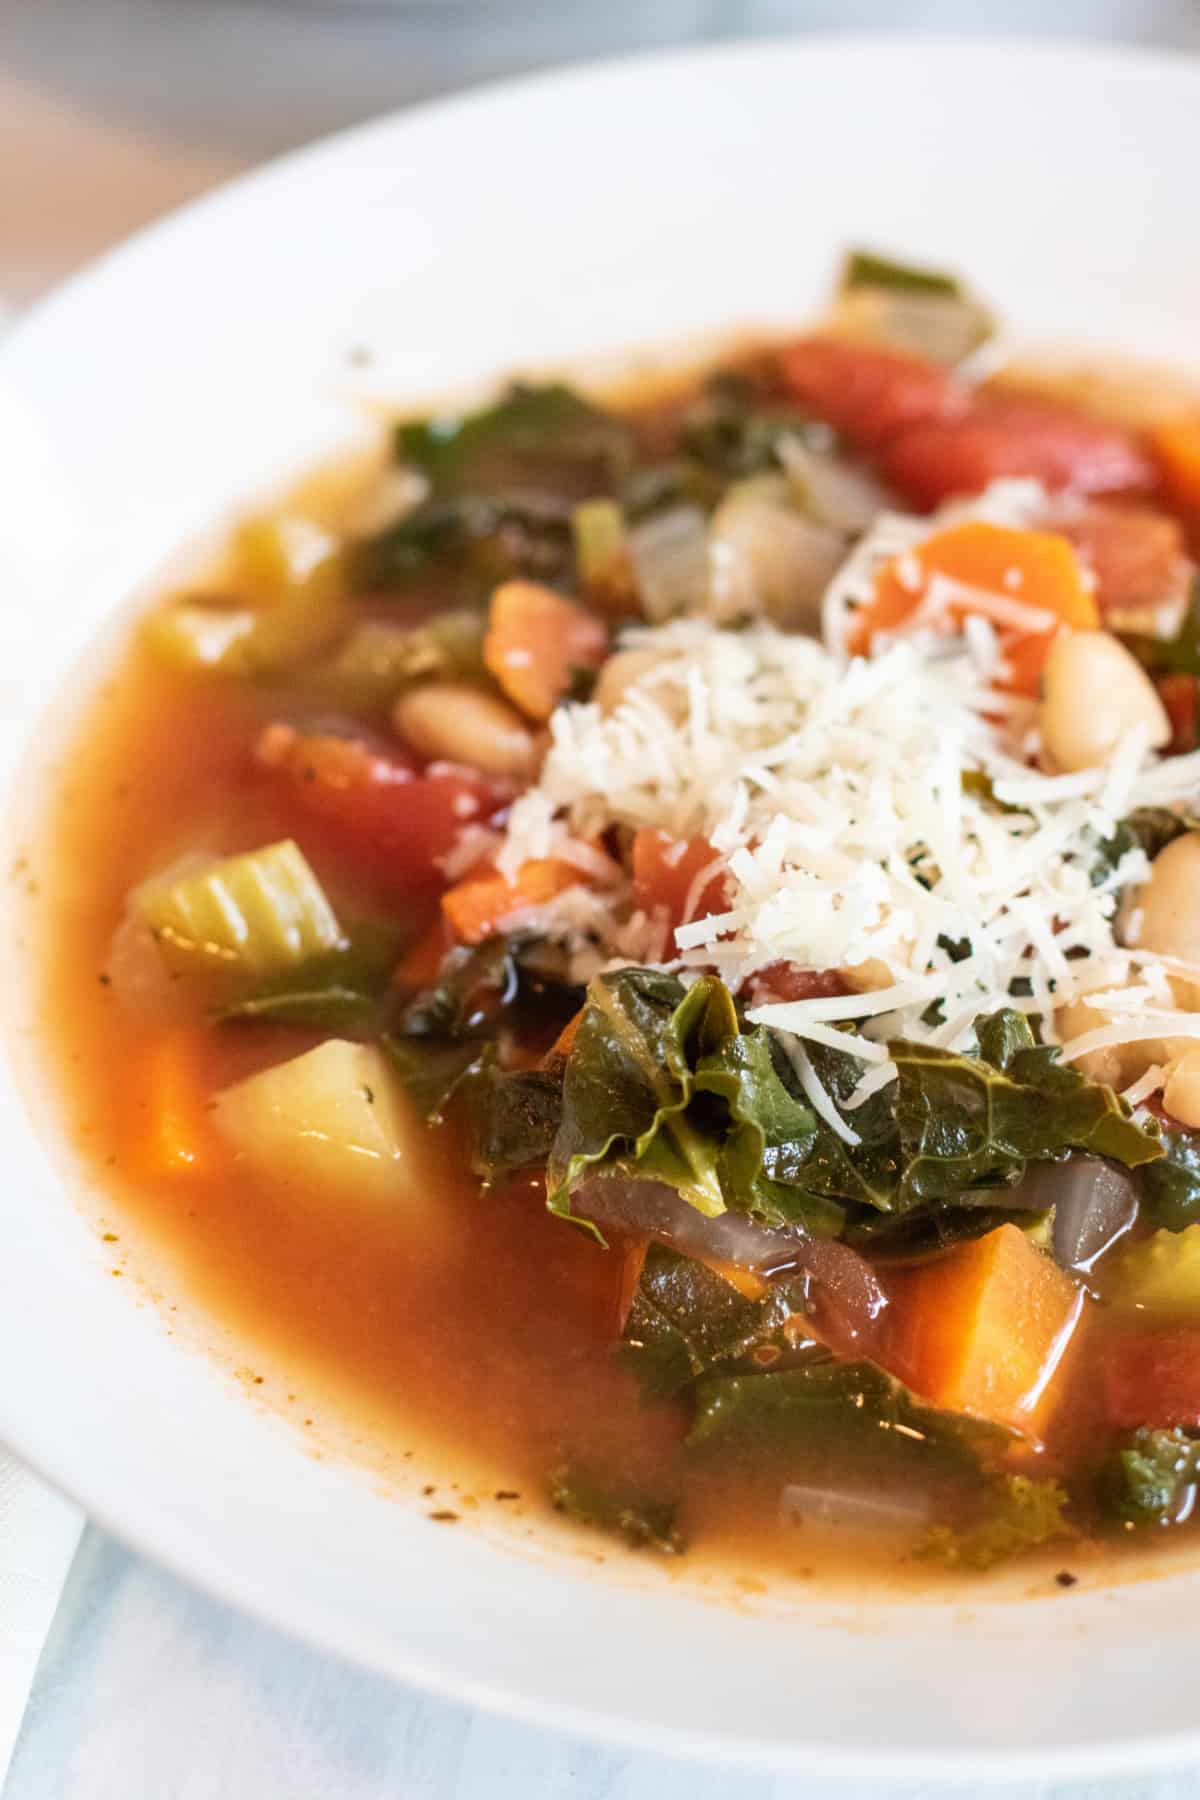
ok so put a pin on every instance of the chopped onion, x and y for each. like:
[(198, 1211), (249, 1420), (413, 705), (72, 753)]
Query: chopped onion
[(800, 1505), (847, 1301), (1094, 1203), (670, 560), (831, 491), (769, 559)]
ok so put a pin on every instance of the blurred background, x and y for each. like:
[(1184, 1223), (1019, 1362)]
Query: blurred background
[(112, 111)]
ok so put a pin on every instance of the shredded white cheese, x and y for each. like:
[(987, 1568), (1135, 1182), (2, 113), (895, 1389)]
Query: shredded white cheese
[(880, 811)]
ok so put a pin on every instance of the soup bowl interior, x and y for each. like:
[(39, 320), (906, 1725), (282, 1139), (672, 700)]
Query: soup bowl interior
[(660, 203)]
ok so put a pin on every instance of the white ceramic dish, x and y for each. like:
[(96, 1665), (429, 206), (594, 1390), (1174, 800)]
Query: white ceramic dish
[(657, 199)]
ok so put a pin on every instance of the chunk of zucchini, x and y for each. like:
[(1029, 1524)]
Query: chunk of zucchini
[(255, 914), (332, 1124)]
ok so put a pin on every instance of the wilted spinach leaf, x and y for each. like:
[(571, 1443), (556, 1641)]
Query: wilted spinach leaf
[(1171, 1186), (338, 991), (644, 1522), (686, 1320), (547, 440), (1147, 828), (735, 427), (829, 1407), (515, 1114)]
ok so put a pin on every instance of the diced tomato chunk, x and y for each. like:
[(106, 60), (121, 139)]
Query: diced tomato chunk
[(1153, 1378), (372, 808), (666, 871), (1002, 437), (783, 981), (1180, 695), (864, 391), (1134, 552)]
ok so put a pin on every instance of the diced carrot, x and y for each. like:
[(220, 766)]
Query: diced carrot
[(983, 1328), (170, 1127), (1133, 551), (864, 391), (1180, 695), (1001, 437), (666, 871), (1152, 1378), (477, 907), (1004, 570), (1176, 444), (535, 641), (565, 1040)]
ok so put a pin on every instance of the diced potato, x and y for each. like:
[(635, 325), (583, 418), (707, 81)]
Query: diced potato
[(330, 1126)]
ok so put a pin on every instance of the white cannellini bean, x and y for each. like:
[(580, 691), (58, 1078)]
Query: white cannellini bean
[(452, 721), (1094, 692), (1181, 1094), (624, 671), (1164, 913)]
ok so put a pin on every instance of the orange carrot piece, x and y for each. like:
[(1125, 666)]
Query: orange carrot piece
[(666, 870), (535, 640), (983, 1328), (564, 1042), (1176, 444), (477, 907), (171, 1127), (1036, 569)]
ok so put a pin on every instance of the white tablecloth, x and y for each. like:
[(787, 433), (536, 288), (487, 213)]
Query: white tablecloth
[(110, 112)]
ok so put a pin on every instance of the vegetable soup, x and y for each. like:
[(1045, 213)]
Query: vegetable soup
[(658, 945)]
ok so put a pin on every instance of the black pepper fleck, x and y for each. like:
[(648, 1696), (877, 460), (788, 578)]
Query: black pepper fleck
[(445, 1518), (1065, 1579)]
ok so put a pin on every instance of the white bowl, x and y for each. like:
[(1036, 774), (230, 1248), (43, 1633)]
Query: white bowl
[(662, 198)]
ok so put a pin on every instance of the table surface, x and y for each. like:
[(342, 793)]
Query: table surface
[(112, 111)]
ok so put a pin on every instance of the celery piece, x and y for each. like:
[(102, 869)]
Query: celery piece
[(255, 914), (329, 1125), (1161, 1274), (378, 659), (198, 633), (279, 554), (862, 268), (602, 551)]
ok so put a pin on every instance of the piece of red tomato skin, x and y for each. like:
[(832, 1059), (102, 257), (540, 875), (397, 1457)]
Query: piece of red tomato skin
[(394, 823), (865, 392), (1152, 1378), (781, 982), (665, 873), (1180, 695), (1134, 552), (1000, 438)]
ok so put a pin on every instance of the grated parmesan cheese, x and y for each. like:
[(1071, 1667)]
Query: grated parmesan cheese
[(832, 794)]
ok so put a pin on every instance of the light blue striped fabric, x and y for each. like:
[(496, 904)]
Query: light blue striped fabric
[(149, 1691)]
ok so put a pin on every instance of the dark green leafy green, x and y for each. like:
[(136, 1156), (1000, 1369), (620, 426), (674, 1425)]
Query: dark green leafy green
[(663, 1084), (735, 428), (477, 540), (1151, 1478), (1178, 655), (969, 1122), (450, 1032), (338, 991), (1018, 1514), (849, 1411), (641, 1520), (1171, 1186), (686, 1321), (547, 440), (1148, 828), (516, 1114)]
